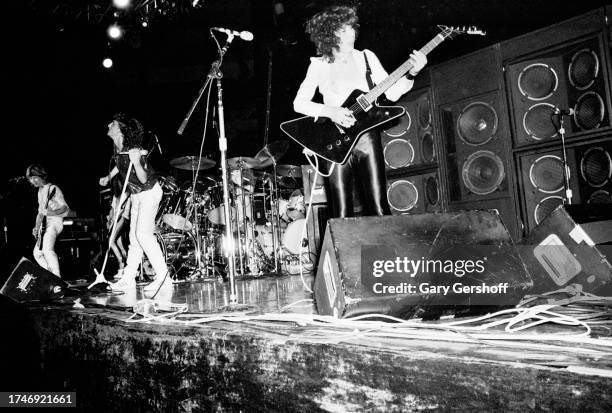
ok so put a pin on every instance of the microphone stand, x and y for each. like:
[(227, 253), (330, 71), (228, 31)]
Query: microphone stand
[(216, 74), (566, 178)]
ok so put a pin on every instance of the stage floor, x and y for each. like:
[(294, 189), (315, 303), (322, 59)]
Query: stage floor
[(258, 295)]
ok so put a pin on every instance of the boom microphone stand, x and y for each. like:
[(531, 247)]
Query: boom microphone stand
[(215, 73)]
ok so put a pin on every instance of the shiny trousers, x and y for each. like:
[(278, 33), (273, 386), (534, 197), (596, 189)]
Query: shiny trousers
[(142, 233), (361, 178), (46, 257)]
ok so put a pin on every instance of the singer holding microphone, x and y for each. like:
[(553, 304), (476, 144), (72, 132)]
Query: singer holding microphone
[(127, 135)]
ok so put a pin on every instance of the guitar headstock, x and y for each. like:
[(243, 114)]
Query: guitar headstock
[(450, 31)]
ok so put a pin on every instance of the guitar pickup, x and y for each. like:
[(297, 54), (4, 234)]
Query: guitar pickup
[(363, 102)]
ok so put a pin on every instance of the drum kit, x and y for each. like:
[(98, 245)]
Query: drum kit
[(267, 214)]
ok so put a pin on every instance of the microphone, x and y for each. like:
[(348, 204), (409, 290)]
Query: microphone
[(244, 35), (158, 145), (559, 111)]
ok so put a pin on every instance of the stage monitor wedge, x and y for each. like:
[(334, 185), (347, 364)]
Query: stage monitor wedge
[(346, 285), (30, 282), (572, 246)]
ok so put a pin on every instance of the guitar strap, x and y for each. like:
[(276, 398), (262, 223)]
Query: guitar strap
[(368, 72)]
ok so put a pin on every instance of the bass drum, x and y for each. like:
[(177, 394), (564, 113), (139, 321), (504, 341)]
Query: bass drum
[(292, 240)]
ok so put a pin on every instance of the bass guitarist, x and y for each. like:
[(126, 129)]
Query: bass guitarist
[(338, 71), (52, 209)]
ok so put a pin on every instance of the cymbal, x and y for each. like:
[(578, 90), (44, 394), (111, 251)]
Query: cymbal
[(191, 163), (244, 162), (272, 152), (290, 171)]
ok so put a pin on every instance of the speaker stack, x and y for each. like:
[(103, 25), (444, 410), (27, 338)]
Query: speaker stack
[(562, 67), (475, 134), (411, 157)]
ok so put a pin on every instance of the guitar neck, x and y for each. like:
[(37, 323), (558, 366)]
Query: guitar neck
[(379, 89)]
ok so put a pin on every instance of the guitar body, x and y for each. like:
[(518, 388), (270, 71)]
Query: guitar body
[(331, 141), (43, 225)]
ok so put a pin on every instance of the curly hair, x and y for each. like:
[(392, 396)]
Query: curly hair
[(131, 129), (322, 28), (37, 170)]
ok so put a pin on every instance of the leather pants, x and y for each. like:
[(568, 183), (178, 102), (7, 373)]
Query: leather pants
[(361, 178)]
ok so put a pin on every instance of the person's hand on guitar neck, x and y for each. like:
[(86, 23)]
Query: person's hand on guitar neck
[(341, 116)]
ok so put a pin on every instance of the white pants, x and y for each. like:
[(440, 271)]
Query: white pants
[(142, 236), (46, 257)]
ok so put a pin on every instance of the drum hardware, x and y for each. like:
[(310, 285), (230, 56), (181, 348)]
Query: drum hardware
[(272, 152)]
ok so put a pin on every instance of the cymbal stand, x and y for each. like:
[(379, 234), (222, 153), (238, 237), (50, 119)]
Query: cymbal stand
[(215, 73), (276, 235), (239, 236)]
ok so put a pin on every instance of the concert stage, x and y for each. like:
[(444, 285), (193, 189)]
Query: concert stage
[(264, 356)]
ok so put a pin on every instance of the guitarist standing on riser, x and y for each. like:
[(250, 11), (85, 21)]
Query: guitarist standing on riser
[(338, 71), (52, 208)]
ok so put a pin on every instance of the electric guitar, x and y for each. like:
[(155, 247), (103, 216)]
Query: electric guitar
[(334, 142), (43, 225)]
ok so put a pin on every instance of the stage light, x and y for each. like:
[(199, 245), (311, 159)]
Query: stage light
[(107, 63), (121, 4), (114, 31)]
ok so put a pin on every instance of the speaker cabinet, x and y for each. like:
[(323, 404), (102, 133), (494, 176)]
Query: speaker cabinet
[(409, 140), (346, 285), (541, 178), (573, 245), (415, 193), (570, 76), (475, 141)]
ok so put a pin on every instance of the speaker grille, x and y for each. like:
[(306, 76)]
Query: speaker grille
[(427, 148), (402, 195), (400, 128), (596, 166), (477, 123), (546, 174), (398, 153), (537, 121), (483, 172), (600, 197), (424, 113), (583, 69), (589, 111), (538, 81), (432, 194), (545, 207)]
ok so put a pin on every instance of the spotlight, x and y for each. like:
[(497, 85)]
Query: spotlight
[(107, 63), (144, 23), (121, 4), (115, 31)]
